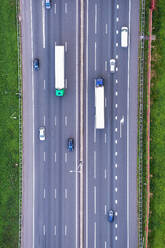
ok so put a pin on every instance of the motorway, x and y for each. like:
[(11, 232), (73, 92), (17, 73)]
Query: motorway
[(51, 174)]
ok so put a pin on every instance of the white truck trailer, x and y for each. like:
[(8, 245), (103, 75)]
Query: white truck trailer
[(59, 70), (99, 104), (124, 37)]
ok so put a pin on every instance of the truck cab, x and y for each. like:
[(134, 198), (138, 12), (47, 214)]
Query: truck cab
[(47, 4), (59, 92), (99, 82)]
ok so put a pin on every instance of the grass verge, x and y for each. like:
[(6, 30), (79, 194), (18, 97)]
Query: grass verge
[(144, 133), (9, 128)]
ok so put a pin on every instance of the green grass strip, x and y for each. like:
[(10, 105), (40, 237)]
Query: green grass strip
[(9, 116), (157, 204)]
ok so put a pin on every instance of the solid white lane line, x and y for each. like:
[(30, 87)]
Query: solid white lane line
[(106, 28), (94, 164), (105, 173), (105, 244), (44, 120), (66, 8), (44, 193), (66, 193), (66, 46), (66, 229), (43, 23), (55, 120), (94, 199), (55, 157), (44, 156), (55, 8), (105, 138), (95, 18), (128, 88), (106, 65), (33, 158), (66, 121), (55, 230), (55, 193), (43, 228), (66, 157), (44, 84), (77, 107), (95, 54), (86, 218), (105, 209), (94, 234)]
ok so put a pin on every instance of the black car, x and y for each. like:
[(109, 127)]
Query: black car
[(36, 64)]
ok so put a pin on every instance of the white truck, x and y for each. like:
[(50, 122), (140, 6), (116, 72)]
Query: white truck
[(59, 70), (99, 104)]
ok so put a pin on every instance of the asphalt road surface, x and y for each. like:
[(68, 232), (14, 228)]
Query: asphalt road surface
[(51, 173)]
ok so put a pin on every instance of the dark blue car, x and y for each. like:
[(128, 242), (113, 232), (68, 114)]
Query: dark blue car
[(70, 145), (111, 216), (36, 64)]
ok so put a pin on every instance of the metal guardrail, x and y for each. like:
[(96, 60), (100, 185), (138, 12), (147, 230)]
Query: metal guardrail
[(141, 84), (20, 116)]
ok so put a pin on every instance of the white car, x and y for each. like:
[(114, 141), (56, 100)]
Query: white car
[(42, 133), (112, 65)]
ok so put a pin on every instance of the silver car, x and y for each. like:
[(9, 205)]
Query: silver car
[(112, 65), (42, 133)]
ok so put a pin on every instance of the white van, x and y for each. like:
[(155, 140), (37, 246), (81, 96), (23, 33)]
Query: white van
[(124, 37)]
